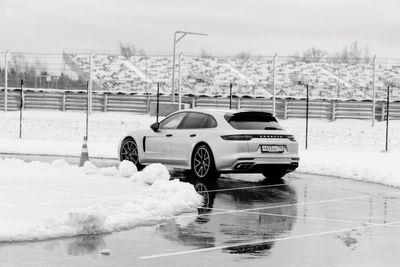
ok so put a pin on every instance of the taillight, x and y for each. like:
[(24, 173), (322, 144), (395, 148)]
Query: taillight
[(237, 137), (291, 138)]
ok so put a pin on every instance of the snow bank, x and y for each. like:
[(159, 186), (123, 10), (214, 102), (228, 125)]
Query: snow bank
[(40, 201), (372, 167), (152, 173), (127, 168)]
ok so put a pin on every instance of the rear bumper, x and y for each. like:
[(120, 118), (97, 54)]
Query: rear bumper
[(257, 165)]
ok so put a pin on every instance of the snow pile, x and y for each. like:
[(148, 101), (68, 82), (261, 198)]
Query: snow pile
[(363, 166), (127, 168), (40, 201), (152, 173)]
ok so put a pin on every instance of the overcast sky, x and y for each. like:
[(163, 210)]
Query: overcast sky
[(260, 26)]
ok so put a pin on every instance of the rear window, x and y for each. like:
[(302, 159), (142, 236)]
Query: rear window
[(253, 121)]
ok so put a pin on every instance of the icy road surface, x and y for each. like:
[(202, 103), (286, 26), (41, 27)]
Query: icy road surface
[(304, 220)]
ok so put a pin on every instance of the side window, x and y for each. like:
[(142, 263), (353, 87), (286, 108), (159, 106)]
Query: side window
[(193, 120), (211, 122), (208, 122), (173, 121)]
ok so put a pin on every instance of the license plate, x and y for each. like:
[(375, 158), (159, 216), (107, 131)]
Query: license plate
[(272, 149)]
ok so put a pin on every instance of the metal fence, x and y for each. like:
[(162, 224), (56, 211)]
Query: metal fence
[(65, 100), (332, 83)]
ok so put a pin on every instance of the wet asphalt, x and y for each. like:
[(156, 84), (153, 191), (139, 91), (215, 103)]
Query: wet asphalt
[(301, 220)]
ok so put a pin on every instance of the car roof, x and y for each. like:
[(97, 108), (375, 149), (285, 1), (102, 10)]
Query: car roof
[(215, 111)]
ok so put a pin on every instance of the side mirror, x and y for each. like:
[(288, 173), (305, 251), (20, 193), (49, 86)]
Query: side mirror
[(155, 126)]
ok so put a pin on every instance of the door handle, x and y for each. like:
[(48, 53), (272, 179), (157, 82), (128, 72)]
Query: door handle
[(168, 135), (192, 135)]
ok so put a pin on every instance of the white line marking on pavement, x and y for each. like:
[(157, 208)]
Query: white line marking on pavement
[(246, 187), (226, 211), (317, 218), (288, 205), (304, 217), (262, 241)]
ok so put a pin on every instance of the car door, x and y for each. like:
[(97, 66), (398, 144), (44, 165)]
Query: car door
[(158, 145), (185, 137)]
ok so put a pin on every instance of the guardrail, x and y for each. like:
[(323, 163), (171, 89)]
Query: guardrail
[(67, 100)]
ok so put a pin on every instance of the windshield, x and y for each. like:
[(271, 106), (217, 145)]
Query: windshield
[(253, 121)]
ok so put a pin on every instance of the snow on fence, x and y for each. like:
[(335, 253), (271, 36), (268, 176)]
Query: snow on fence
[(108, 102)]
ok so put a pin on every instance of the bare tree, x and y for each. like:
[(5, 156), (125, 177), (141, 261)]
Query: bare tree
[(309, 55), (341, 57), (205, 54), (41, 66), (18, 62), (295, 57), (141, 53), (313, 55), (355, 53), (366, 56), (351, 54), (127, 50), (243, 56)]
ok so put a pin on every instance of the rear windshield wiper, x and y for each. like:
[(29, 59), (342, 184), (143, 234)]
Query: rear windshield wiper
[(271, 128)]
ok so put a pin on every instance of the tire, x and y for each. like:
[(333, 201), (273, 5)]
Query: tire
[(129, 151), (203, 165), (274, 174)]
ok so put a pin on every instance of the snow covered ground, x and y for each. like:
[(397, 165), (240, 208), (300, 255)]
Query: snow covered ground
[(54, 197), (340, 135), (40, 200)]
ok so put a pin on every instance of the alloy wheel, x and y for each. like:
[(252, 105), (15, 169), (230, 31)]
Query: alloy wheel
[(129, 151), (202, 162)]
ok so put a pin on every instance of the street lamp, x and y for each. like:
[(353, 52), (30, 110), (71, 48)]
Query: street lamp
[(180, 35)]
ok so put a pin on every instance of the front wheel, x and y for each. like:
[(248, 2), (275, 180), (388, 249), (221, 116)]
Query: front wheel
[(129, 151), (203, 165)]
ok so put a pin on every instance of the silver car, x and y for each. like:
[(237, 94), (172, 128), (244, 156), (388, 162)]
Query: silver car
[(209, 142)]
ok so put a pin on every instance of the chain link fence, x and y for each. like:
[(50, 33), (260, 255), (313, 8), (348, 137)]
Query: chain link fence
[(337, 88), (252, 76), (334, 84)]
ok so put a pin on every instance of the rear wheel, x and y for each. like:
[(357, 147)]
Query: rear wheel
[(129, 151), (203, 165)]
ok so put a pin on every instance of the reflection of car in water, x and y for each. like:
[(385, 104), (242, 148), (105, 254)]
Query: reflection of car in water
[(216, 224)]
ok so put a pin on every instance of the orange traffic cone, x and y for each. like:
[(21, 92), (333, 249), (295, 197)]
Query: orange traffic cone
[(84, 153)]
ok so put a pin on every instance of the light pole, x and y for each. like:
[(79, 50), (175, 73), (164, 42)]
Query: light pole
[(373, 90), (389, 83), (303, 81), (230, 95), (90, 84), (21, 106), (387, 118), (180, 82), (5, 80), (273, 85), (180, 35)]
